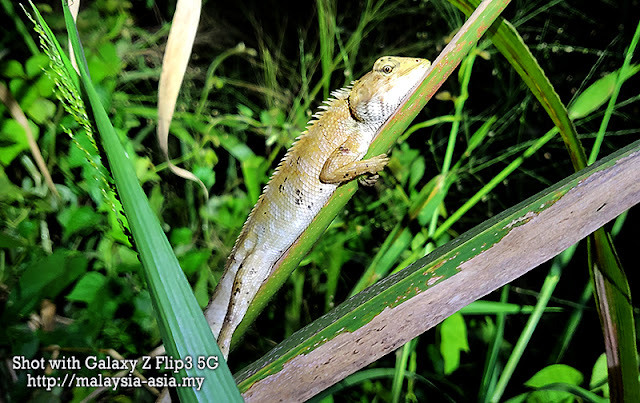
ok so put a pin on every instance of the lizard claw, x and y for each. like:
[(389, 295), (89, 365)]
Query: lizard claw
[(380, 159), (376, 164), (368, 180)]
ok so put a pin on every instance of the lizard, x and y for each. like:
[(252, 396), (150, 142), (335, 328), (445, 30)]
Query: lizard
[(328, 153)]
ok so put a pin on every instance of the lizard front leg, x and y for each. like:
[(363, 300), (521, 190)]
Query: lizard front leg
[(343, 165)]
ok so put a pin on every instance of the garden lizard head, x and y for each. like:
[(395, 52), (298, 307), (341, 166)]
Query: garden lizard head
[(379, 93)]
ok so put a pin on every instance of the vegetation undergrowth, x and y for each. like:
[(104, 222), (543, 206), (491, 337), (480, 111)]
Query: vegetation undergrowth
[(71, 283)]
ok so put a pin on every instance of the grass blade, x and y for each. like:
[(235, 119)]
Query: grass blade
[(511, 45), (327, 24), (622, 75), (491, 369), (613, 300), (550, 282), (612, 292), (182, 325), (24, 32), (174, 65), (402, 306), (507, 40)]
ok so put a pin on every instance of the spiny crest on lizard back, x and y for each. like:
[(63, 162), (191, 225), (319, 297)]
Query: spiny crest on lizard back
[(336, 95), (377, 95)]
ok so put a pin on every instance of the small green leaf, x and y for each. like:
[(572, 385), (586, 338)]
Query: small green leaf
[(181, 236), (44, 84), (599, 375), (145, 170), (8, 191), (36, 64), (236, 148), (272, 117), (403, 157), (10, 241), (206, 174), (25, 341), (245, 110), (24, 92), (143, 314), (104, 63), (201, 289), (12, 69), (518, 399), (193, 260), (77, 220), (553, 374), (228, 212), (46, 278), (41, 110), (598, 93), (416, 172), (13, 140), (253, 169), (453, 335), (88, 287)]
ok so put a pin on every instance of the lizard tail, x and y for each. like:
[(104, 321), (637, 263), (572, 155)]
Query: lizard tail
[(251, 273), (217, 308)]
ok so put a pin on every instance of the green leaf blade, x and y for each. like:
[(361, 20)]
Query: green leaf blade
[(182, 324)]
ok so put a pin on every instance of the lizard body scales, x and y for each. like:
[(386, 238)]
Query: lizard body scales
[(327, 154)]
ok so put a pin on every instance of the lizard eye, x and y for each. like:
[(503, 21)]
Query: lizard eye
[(387, 69)]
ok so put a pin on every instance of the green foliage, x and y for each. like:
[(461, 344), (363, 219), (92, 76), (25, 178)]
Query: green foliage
[(599, 374), (45, 278), (555, 373), (598, 93), (241, 107), (551, 375), (171, 294), (453, 341)]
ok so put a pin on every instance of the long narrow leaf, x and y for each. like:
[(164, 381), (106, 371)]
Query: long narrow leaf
[(400, 307), (550, 282), (507, 40), (185, 333), (174, 65), (613, 300), (611, 284), (612, 293)]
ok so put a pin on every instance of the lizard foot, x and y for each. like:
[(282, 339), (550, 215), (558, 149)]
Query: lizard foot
[(368, 180)]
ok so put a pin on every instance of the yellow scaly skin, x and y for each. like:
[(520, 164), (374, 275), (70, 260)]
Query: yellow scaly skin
[(327, 154)]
